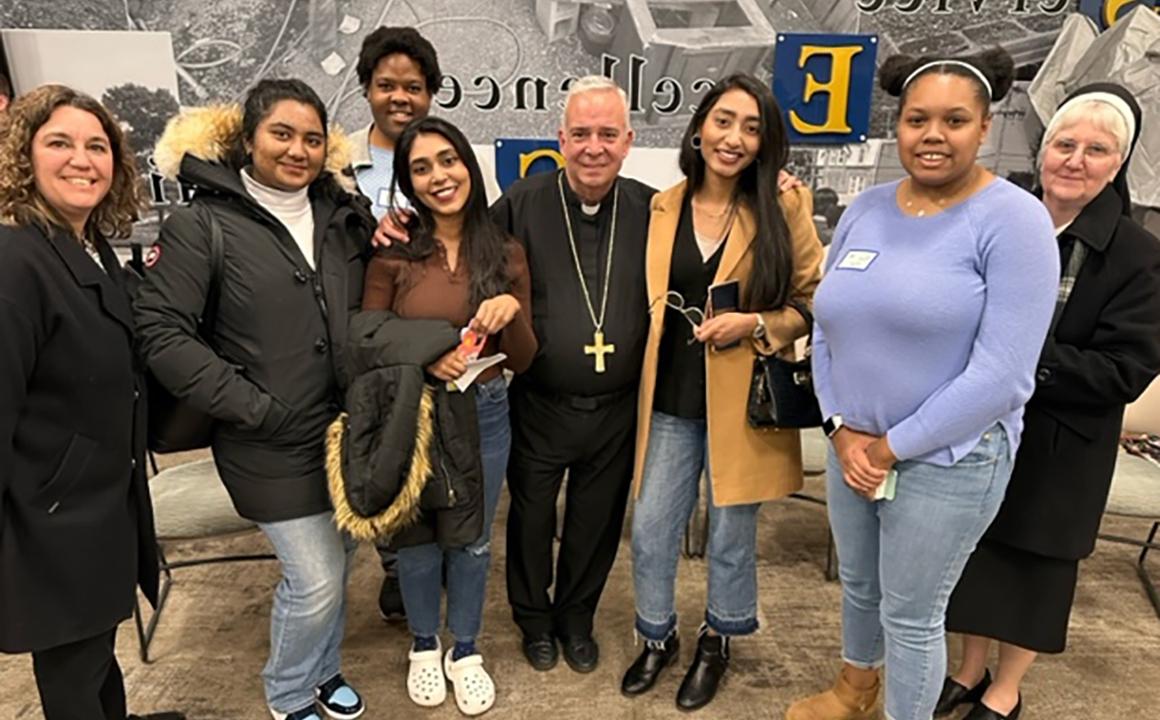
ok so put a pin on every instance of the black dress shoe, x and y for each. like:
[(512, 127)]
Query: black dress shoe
[(954, 694), (581, 653), (705, 675), (391, 600), (541, 651), (643, 673), (982, 712)]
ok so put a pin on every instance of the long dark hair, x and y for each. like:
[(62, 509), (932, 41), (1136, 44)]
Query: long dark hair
[(769, 277), (483, 241)]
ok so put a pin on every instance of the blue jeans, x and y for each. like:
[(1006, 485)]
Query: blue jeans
[(421, 566), (677, 455), (899, 560), (309, 613)]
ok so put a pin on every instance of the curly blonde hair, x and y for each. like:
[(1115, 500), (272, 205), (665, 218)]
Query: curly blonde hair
[(21, 203)]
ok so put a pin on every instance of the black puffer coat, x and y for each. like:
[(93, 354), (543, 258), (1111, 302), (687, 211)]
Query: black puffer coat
[(403, 462), (273, 377)]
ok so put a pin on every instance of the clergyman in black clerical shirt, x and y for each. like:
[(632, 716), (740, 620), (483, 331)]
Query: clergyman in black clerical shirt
[(574, 411)]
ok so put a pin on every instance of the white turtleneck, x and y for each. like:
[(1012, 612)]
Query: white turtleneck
[(291, 208)]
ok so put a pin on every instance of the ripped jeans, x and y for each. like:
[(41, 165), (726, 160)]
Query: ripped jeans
[(421, 567)]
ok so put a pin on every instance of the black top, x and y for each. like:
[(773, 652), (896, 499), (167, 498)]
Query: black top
[(680, 386), (530, 210)]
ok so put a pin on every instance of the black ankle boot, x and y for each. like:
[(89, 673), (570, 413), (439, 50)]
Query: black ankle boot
[(706, 672), (643, 674)]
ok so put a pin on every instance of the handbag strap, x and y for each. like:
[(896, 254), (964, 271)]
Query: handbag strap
[(217, 264)]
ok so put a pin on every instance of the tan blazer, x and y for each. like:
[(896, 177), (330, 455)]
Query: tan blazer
[(748, 465)]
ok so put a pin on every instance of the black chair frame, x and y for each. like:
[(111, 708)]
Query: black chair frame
[(1141, 561)]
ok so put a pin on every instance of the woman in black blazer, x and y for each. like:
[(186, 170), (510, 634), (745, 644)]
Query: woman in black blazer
[(76, 524), (1019, 584)]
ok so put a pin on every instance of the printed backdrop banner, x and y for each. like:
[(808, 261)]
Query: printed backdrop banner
[(824, 85), (507, 65), (517, 158)]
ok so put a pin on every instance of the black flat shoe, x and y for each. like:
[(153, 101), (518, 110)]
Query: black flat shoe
[(982, 712), (581, 653), (643, 673), (954, 694), (705, 674), (541, 651)]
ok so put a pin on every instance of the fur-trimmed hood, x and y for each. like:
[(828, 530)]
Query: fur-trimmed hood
[(210, 132)]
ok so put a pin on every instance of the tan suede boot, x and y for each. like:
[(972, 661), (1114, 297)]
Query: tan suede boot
[(853, 697)]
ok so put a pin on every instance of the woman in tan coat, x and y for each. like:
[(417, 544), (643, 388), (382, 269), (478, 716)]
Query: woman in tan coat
[(724, 224)]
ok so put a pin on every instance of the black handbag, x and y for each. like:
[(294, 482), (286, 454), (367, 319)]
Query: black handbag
[(174, 425), (781, 393)]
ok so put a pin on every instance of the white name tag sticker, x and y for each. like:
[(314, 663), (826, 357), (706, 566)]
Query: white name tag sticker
[(384, 197), (857, 260)]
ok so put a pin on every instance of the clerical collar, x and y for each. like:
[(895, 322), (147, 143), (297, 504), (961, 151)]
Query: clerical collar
[(587, 211)]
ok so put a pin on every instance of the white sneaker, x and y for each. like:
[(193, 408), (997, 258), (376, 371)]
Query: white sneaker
[(474, 689), (425, 682)]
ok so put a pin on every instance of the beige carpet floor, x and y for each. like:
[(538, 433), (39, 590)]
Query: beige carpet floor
[(212, 641)]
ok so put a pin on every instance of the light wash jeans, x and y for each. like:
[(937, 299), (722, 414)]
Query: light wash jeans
[(309, 613), (677, 454), (900, 559), (421, 566)]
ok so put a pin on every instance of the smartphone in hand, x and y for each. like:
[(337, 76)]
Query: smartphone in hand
[(725, 297)]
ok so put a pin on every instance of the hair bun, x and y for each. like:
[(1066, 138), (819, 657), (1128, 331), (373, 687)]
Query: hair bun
[(894, 71), (999, 68)]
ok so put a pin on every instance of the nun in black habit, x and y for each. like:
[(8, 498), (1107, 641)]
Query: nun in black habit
[(1101, 354)]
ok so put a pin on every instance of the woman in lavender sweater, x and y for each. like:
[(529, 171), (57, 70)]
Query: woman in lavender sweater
[(936, 300)]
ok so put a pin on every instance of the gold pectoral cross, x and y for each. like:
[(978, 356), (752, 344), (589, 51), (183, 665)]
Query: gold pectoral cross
[(599, 349)]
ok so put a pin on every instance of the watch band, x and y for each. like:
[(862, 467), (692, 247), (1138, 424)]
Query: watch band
[(831, 425), (759, 329)]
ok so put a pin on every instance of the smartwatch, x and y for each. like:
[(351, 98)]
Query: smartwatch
[(831, 425)]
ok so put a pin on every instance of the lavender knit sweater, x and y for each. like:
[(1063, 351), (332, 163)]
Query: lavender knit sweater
[(928, 329)]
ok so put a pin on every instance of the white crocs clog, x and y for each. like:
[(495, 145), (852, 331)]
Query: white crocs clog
[(425, 682), (474, 689)]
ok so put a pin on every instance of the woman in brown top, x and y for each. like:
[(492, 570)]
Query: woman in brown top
[(462, 268)]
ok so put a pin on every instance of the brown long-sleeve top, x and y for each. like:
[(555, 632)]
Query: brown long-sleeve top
[(428, 289)]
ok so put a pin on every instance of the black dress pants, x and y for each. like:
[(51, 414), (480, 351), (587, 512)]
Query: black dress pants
[(81, 680), (592, 439)]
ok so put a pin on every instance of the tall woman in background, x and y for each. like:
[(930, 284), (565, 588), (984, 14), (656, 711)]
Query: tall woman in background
[(930, 317)]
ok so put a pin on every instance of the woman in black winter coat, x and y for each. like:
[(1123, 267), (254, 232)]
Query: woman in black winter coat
[(1104, 350), (76, 523), (271, 374)]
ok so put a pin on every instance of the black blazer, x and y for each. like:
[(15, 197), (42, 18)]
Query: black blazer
[(1103, 354), (76, 524)]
